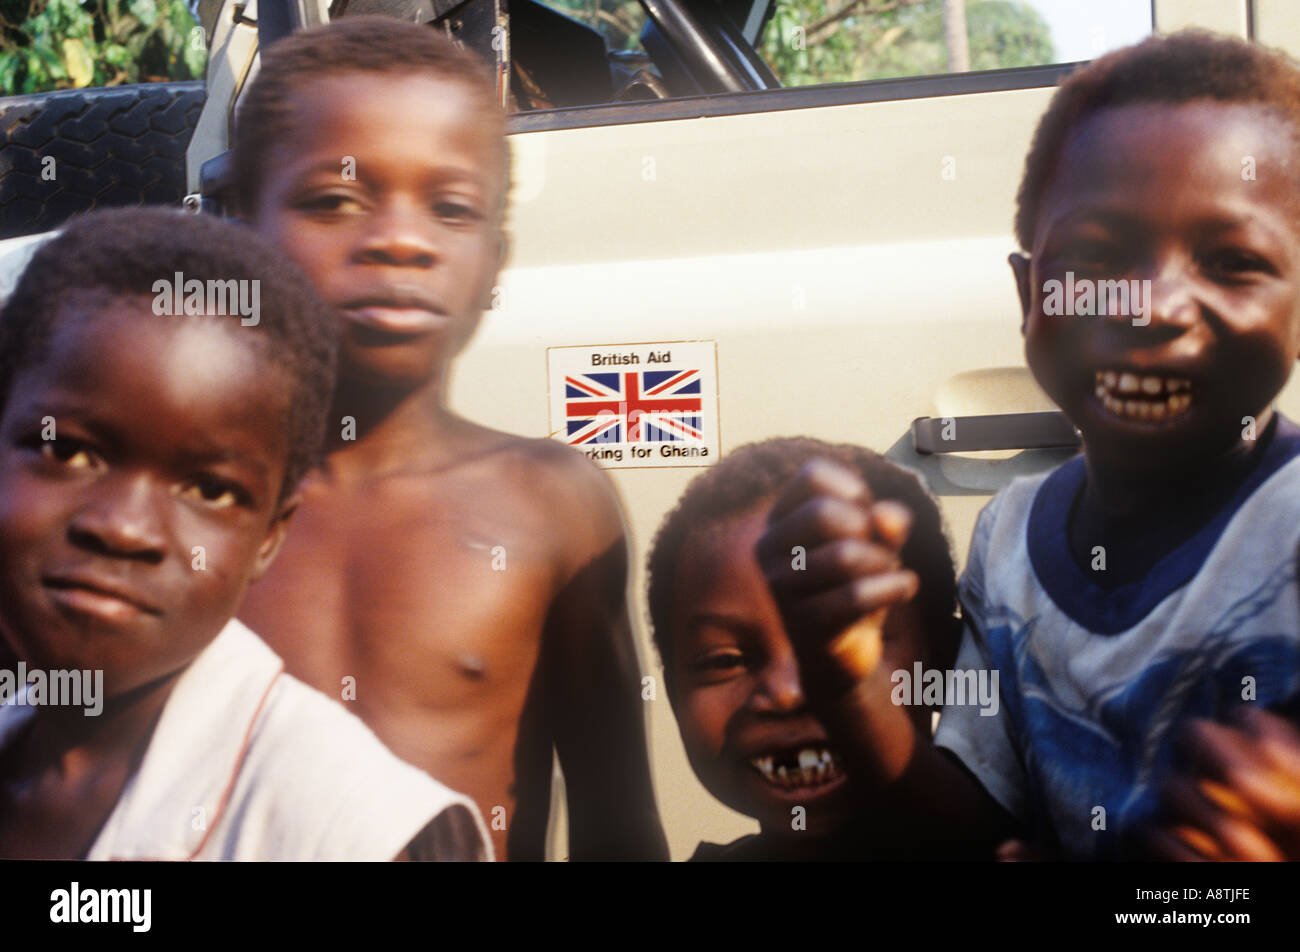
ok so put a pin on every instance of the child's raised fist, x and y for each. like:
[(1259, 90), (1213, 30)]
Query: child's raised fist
[(831, 558)]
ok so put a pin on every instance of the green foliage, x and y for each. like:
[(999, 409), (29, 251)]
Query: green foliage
[(836, 41), (64, 44)]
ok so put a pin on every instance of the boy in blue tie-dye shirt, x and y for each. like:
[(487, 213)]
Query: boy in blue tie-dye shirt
[(1140, 603)]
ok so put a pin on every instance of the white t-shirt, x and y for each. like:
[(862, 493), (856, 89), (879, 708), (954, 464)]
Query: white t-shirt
[(249, 763)]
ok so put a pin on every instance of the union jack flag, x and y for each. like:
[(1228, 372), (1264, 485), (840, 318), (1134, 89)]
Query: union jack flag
[(649, 406)]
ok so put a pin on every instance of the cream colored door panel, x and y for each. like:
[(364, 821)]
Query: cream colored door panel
[(794, 179), (847, 283)]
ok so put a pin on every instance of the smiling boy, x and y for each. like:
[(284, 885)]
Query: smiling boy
[(148, 471), (1152, 581), (734, 679), (461, 589)]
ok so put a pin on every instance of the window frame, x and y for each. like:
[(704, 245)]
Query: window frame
[(791, 97)]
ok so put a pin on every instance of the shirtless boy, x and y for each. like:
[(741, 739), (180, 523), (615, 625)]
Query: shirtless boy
[(461, 589)]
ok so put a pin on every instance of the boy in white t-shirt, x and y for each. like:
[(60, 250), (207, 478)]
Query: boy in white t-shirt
[(164, 382)]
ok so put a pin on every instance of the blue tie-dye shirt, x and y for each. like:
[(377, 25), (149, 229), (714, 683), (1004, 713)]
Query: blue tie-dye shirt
[(1097, 681)]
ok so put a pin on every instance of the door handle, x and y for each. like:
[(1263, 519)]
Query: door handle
[(1000, 431)]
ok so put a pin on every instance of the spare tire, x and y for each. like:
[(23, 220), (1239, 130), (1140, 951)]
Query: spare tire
[(120, 145)]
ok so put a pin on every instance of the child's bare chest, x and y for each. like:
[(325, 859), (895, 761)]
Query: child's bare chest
[(429, 603)]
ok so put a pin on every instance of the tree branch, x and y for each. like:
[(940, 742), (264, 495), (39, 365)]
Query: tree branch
[(849, 8)]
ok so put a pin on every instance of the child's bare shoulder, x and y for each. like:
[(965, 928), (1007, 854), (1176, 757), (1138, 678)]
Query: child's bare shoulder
[(574, 495), (527, 488)]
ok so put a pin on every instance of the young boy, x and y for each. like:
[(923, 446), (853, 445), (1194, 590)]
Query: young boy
[(732, 674), (461, 589), (1149, 587), (163, 387)]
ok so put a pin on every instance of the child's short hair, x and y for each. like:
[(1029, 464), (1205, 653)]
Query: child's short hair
[(367, 44), (1173, 69), (121, 253), (757, 472)]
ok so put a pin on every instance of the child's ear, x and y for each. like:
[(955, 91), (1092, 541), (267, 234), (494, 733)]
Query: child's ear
[(503, 252), (503, 249), (270, 546), (1020, 267)]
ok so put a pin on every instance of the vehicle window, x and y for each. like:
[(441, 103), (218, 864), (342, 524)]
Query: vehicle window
[(619, 21), (810, 42), (591, 53)]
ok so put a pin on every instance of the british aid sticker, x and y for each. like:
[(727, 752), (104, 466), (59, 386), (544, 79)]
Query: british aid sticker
[(637, 405)]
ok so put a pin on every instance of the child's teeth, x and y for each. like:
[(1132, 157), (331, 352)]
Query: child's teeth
[(1110, 385), (815, 766)]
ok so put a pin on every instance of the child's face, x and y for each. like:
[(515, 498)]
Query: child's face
[(389, 198), (1200, 200), (128, 539), (736, 689)]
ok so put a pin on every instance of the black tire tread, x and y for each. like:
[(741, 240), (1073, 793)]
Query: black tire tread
[(121, 145)]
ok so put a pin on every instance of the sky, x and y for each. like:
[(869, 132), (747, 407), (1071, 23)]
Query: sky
[(1084, 29)]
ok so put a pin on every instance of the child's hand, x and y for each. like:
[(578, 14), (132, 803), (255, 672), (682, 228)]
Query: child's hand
[(1239, 798), (831, 559)]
